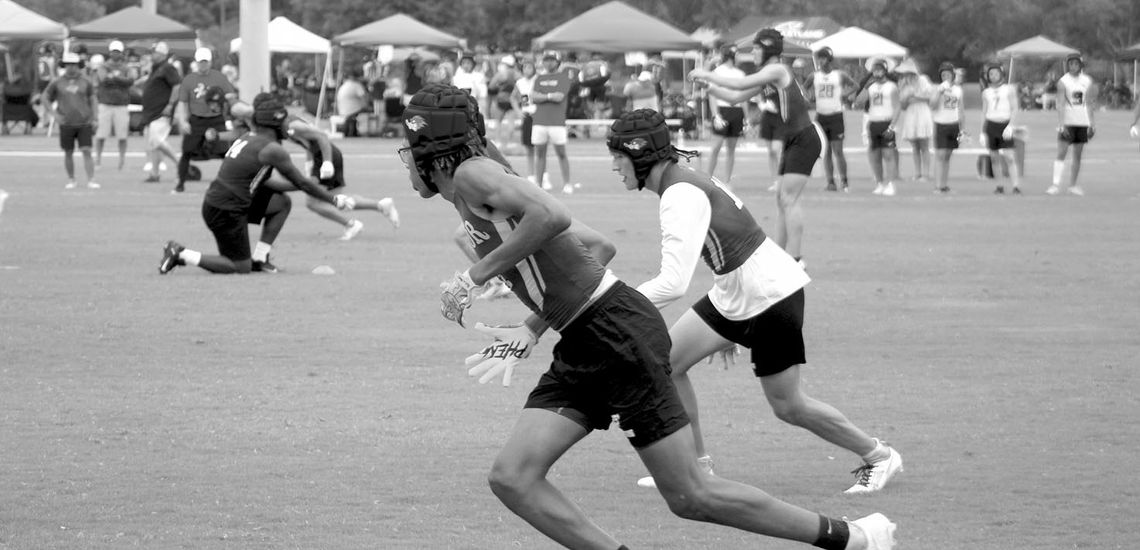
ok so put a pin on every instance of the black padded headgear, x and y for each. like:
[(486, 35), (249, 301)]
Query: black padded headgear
[(825, 53), (439, 120), (1072, 57), (268, 111), (643, 136), (945, 66), (771, 41)]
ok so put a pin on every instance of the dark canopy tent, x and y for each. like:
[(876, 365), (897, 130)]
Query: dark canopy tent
[(398, 30), (615, 27)]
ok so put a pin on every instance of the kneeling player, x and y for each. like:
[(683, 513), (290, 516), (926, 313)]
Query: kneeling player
[(239, 197)]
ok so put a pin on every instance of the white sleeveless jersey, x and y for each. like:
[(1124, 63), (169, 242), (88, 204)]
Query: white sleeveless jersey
[(828, 92), (1074, 106), (997, 100), (882, 107), (948, 108)]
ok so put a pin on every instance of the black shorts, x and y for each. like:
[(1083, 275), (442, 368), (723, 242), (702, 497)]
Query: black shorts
[(771, 126), (775, 336), (832, 125), (527, 128), (230, 229), (597, 94), (504, 105), (337, 181), (946, 136), (801, 150), (194, 141), (734, 122), (876, 139), (1077, 134), (613, 360), (70, 135), (993, 131)]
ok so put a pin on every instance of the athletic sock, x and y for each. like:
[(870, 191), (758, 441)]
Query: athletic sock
[(261, 251), (833, 534), (880, 452), (190, 257), (1058, 170)]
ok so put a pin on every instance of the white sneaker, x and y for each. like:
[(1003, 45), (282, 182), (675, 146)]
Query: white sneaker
[(889, 190), (162, 167), (705, 463), (1053, 190), (148, 166), (530, 178), (546, 185), (1076, 190), (775, 187), (3, 197), (388, 208), (70, 185), (879, 530), (872, 477), (878, 189), (353, 229), (495, 289), (93, 185), (568, 189)]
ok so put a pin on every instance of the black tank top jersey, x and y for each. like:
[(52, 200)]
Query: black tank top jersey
[(555, 283), (241, 173), (793, 107), (733, 233)]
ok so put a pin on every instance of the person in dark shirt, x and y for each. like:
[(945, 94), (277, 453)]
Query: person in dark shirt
[(160, 95), (113, 82), (239, 196), (74, 96), (204, 96)]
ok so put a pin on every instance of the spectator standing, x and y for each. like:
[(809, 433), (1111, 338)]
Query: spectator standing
[(916, 122), (351, 100), (828, 85), (593, 78), (521, 101), (550, 95), (500, 89), (728, 119), (999, 108), (203, 99), (881, 96), (1076, 105), (949, 119), (76, 105), (160, 95), (641, 92), (113, 81)]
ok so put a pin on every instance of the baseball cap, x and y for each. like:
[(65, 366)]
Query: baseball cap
[(161, 48), (115, 46), (203, 54), (69, 58)]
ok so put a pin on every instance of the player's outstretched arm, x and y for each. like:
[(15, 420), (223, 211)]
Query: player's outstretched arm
[(275, 155)]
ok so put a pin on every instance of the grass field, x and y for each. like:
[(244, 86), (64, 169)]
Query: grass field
[(992, 340)]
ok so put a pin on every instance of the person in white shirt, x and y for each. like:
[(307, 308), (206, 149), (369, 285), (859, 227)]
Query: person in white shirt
[(827, 86), (999, 108), (471, 80), (949, 119), (881, 97), (728, 119), (1076, 105), (757, 298), (521, 103)]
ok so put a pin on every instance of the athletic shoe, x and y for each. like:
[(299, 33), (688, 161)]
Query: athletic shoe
[(148, 166), (70, 185), (845, 188), (151, 179), (1076, 190), (181, 187), (352, 229), (568, 189), (889, 190), (872, 477), (3, 197), (93, 185), (944, 190), (1016, 191), (879, 530), (878, 189), (264, 267), (1053, 190), (775, 187), (495, 289), (705, 462), (999, 190), (162, 167), (388, 208), (170, 258), (831, 186), (546, 185), (530, 178)]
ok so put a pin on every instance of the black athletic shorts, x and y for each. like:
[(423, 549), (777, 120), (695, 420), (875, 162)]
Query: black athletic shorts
[(335, 182), (70, 135), (832, 125), (946, 136), (193, 142), (801, 150), (527, 128), (230, 229), (734, 122), (771, 126), (775, 336), (613, 361), (875, 134), (993, 131), (1077, 134)]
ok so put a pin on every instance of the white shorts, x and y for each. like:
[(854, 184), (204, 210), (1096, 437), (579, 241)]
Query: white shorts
[(113, 120), (157, 132), (541, 135)]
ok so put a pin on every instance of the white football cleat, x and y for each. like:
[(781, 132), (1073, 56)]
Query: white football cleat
[(1076, 190), (1053, 190), (388, 208), (879, 530), (872, 477), (878, 189), (351, 230), (70, 185), (568, 189), (546, 185), (889, 190), (705, 463), (93, 185)]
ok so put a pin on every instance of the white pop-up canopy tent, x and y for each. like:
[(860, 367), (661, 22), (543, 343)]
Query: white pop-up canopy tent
[(1038, 46), (856, 43), (19, 22), (616, 27), (286, 36)]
